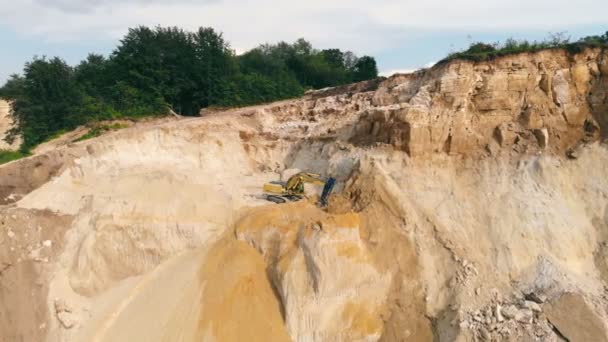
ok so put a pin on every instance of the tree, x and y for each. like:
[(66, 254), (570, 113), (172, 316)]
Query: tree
[(92, 74), (266, 64), (312, 68), (46, 100), (158, 63), (153, 69), (13, 90), (334, 57), (365, 69), (215, 65)]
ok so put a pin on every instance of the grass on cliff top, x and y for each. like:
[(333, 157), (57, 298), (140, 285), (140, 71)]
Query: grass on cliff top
[(98, 130), (479, 51), (7, 156)]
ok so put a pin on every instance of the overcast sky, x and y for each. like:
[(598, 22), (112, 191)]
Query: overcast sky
[(401, 34)]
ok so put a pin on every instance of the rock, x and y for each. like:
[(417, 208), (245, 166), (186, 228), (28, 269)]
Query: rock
[(576, 319), (47, 243), (542, 136), (504, 330), (487, 313), (524, 316), (505, 134), (10, 234), (532, 306), (485, 334), (574, 152), (66, 320), (492, 148), (536, 297), (591, 128), (498, 314), (509, 312), (545, 83), (375, 128), (61, 306), (64, 314), (34, 254)]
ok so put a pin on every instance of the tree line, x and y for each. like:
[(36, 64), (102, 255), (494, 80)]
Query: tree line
[(155, 70)]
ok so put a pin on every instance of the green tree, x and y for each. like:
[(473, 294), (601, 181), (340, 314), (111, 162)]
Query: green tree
[(153, 69), (45, 101), (334, 57), (262, 66), (157, 62), (93, 75), (14, 90), (365, 69), (215, 65)]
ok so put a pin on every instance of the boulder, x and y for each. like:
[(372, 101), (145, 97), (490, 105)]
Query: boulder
[(576, 319)]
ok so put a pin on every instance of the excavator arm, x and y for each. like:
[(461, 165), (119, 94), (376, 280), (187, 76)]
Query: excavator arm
[(296, 182), (295, 186)]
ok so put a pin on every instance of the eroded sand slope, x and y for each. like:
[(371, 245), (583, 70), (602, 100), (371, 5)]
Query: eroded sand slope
[(472, 203)]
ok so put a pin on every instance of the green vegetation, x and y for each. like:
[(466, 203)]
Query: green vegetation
[(482, 51), (7, 156), (98, 130), (153, 70)]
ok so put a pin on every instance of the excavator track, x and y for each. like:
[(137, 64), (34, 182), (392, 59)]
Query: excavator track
[(275, 199)]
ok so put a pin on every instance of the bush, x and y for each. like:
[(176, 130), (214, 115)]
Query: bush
[(482, 51)]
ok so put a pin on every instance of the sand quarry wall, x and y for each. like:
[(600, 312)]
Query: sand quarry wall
[(472, 203), (6, 123)]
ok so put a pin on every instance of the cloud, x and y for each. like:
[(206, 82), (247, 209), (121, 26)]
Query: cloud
[(361, 25), (91, 5)]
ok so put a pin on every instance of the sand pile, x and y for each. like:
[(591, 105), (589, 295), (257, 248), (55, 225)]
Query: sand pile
[(471, 204)]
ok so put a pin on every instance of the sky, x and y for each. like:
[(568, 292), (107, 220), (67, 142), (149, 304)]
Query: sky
[(401, 34)]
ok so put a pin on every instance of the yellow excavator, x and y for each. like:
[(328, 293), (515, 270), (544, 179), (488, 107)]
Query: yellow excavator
[(293, 189)]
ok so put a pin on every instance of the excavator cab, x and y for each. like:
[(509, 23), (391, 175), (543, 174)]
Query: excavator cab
[(293, 189)]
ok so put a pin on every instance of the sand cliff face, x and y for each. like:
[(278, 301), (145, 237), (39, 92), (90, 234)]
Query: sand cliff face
[(472, 203), (6, 123)]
